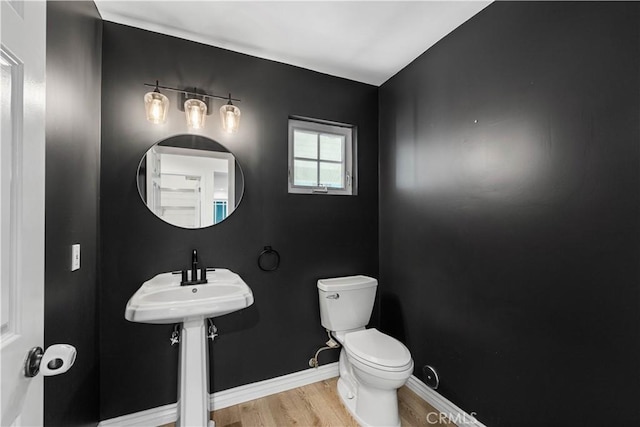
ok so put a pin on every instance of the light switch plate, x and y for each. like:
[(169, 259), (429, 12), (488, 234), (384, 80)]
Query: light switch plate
[(75, 257)]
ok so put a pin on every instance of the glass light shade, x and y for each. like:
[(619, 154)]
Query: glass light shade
[(196, 112), (156, 105), (230, 115)]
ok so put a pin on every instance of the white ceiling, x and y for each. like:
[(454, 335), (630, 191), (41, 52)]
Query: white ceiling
[(366, 41)]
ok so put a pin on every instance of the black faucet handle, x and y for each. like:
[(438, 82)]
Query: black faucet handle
[(194, 280)]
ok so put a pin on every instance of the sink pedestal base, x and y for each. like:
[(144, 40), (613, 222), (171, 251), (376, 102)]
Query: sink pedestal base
[(193, 377)]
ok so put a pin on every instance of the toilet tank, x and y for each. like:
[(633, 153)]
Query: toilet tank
[(346, 302)]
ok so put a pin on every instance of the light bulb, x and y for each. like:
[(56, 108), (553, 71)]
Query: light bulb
[(194, 116), (231, 120), (156, 110)]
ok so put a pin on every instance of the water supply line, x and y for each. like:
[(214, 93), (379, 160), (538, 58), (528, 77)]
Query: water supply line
[(331, 344)]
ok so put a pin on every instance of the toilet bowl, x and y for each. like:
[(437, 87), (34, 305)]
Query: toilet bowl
[(373, 365), (378, 365)]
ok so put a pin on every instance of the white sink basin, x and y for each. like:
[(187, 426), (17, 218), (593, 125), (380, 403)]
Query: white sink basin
[(163, 300)]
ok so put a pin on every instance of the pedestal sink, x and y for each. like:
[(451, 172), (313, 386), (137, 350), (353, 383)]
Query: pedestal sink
[(162, 300)]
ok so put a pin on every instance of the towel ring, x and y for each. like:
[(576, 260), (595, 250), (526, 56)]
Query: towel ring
[(269, 253)]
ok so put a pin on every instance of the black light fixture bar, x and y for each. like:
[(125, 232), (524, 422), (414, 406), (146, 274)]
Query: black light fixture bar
[(186, 92)]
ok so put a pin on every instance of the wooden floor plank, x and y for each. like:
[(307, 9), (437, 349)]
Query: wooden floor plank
[(256, 413), (325, 403), (416, 412), (228, 418)]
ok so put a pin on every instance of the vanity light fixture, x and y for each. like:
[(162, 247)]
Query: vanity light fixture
[(195, 108), (156, 105)]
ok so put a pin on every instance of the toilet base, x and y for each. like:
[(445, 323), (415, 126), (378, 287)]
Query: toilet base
[(361, 403)]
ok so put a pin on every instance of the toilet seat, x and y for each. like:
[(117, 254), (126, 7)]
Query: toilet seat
[(377, 350)]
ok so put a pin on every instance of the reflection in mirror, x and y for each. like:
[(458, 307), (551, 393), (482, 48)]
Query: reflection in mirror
[(190, 181)]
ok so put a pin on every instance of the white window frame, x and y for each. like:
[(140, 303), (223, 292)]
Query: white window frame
[(332, 128)]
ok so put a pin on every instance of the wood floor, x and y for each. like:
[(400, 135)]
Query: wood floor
[(317, 404)]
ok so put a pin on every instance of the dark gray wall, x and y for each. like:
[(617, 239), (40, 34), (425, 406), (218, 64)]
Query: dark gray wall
[(509, 213), (74, 32), (317, 236)]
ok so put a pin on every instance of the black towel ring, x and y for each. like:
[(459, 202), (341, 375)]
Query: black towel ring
[(270, 254)]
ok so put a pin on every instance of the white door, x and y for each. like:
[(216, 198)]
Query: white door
[(22, 163)]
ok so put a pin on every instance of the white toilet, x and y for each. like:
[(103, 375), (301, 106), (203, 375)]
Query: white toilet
[(372, 365)]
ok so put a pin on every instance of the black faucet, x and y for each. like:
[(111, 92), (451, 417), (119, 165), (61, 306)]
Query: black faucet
[(194, 265), (195, 280)]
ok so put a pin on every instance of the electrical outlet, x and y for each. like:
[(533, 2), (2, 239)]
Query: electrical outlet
[(75, 257)]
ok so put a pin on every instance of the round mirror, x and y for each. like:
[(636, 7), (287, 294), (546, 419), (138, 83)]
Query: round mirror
[(190, 181)]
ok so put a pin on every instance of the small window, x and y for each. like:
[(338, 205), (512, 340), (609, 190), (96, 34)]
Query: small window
[(320, 158)]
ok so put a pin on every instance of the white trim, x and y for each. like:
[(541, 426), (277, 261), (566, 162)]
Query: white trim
[(245, 393), (225, 398), (442, 404), (151, 417), (320, 127)]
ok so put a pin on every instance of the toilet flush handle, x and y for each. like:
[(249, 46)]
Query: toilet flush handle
[(333, 296)]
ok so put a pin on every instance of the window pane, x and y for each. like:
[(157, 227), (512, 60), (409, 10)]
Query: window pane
[(305, 173), (305, 144), (331, 147), (331, 175)]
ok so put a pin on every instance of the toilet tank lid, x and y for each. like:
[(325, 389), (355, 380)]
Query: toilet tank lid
[(347, 283)]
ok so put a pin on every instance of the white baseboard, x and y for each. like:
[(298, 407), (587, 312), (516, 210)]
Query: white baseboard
[(151, 417), (225, 398), (442, 404), (245, 393)]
